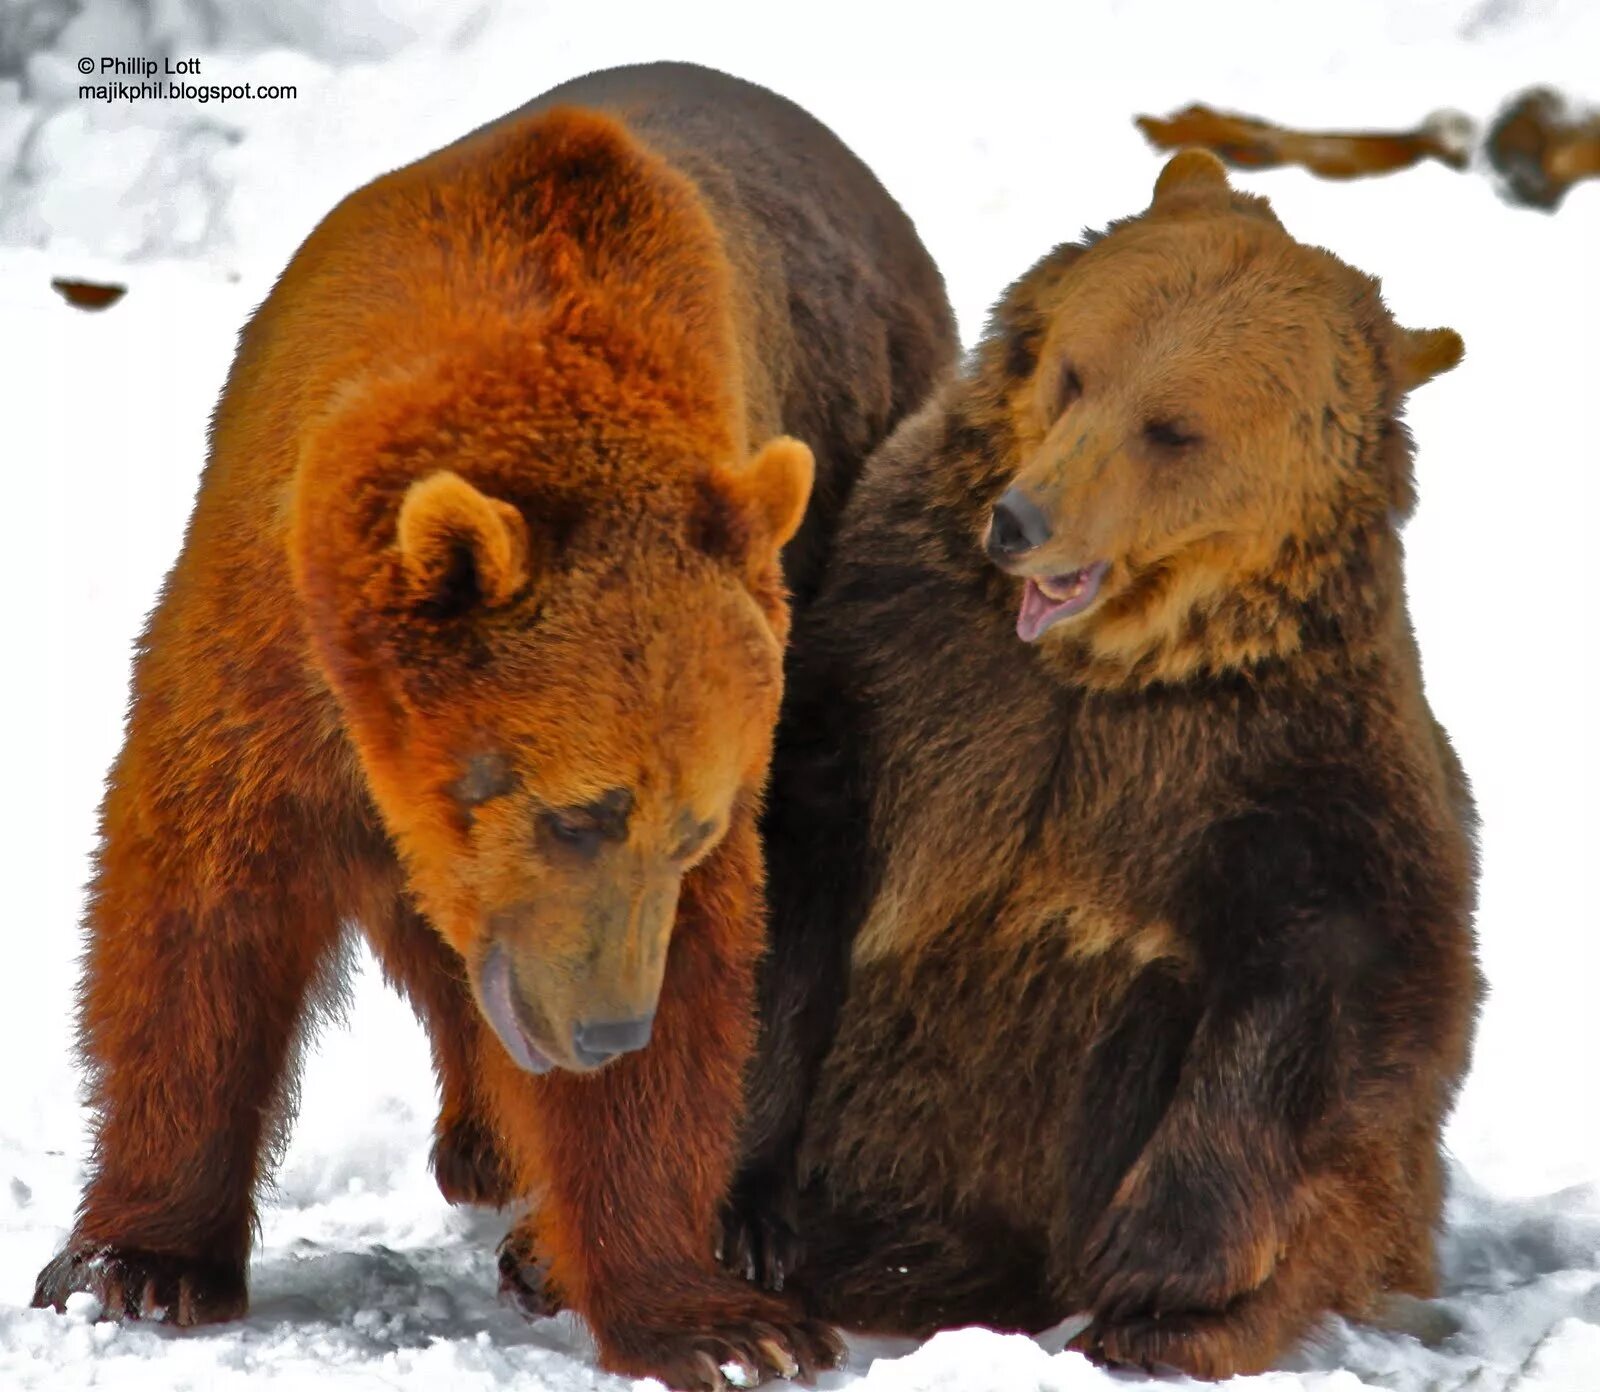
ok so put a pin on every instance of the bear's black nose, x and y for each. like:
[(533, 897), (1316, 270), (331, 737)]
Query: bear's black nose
[(599, 1041), (1016, 526)]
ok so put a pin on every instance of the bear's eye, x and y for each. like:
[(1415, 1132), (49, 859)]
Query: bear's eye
[(572, 830), (584, 828), (1169, 435), (1069, 387)]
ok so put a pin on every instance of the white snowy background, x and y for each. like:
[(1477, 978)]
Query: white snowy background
[(1003, 128)]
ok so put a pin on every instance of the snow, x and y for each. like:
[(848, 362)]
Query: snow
[(1003, 128)]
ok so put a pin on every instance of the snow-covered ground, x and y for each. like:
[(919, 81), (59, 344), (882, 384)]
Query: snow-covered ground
[(1003, 128)]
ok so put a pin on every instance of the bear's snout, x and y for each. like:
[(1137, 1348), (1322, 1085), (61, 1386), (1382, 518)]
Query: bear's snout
[(1016, 527), (572, 979), (599, 1041)]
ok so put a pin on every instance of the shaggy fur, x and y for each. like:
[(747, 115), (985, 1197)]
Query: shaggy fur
[(1153, 937), (475, 641)]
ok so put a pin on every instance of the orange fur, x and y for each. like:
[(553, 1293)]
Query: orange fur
[(476, 641)]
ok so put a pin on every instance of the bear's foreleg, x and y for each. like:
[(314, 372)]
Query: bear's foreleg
[(190, 1008), (1355, 1233), (1295, 1169), (630, 1163)]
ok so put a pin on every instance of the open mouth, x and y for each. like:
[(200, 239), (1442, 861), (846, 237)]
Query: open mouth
[(1047, 599), (494, 987)]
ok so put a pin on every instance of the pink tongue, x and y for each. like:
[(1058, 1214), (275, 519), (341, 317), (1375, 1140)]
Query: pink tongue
[(495, 986), (1037, 612)]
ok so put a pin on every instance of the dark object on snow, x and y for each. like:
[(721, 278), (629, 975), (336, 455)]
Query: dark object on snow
[(88, 294), (1247, 142), (1540, 146)]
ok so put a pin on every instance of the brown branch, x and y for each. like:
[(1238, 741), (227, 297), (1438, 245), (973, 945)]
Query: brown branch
[(1248, 143)]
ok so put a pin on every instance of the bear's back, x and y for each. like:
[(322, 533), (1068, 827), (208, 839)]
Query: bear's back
[(839, 314), (845, 322)]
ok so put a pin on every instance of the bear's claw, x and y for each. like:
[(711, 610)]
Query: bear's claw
[(736, 1355), (759, 1237), (135, 1285)]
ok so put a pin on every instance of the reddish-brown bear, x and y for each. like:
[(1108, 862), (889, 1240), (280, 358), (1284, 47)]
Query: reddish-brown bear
[(475, 641)]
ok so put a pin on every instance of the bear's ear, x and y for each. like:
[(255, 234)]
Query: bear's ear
[(773, 489), (1192, 175), (459, 547), (1420, 355)]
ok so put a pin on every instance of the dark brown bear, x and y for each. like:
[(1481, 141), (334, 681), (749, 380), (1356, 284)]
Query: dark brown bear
[(476, 642), (1121, 827)]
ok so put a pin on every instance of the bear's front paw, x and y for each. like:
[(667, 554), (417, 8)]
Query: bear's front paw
[(1165, 1247), (135, 1285), (525, 1282), (468, 1166), (760, 1240), (1206, 1346), (727, 1353)]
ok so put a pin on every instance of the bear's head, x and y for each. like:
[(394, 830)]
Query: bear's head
[(1202, 421), (552, 613)]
